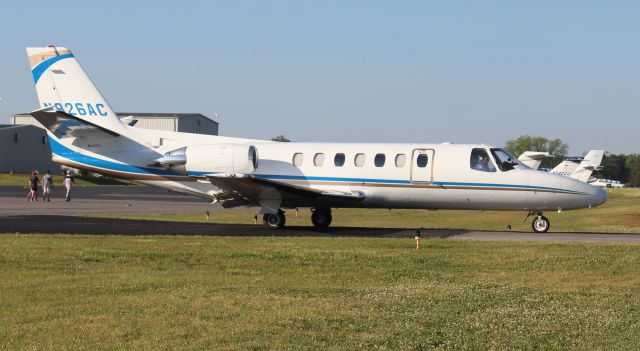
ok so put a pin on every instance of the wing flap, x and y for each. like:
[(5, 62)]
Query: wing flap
[(246, 188)]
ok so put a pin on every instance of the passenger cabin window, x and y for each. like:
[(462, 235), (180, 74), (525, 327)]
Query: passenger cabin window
[(379, 160), (338, 160), (505, 160), (298, 157), (422, 160), (359, 160), (318, 159), (401, 160), (480, 161)]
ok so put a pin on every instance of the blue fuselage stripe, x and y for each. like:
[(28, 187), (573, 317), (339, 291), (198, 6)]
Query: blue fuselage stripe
[(331, 179), (62, 151)]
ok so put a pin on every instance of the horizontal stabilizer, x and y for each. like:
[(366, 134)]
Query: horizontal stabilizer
[(533, 159), (64, 125)]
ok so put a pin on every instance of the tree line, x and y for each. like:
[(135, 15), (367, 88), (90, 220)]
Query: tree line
[(621, 167)]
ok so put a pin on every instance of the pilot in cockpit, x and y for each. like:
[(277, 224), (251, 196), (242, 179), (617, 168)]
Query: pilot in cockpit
[(480, 161), (487, 165)]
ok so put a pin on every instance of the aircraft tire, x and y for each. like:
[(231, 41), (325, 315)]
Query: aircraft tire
[(321, 218), (540, 224), (274, 220)]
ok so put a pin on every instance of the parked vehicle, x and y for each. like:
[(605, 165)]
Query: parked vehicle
[(608, 183)]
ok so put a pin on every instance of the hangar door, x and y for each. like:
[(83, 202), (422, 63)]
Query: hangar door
[(422, 166)]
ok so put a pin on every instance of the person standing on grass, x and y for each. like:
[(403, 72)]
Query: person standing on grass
[(47, 184), (33, 186), (68, 180)]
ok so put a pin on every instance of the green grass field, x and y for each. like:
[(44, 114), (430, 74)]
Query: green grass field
[(621, 213), (19, 179), (113, 292)]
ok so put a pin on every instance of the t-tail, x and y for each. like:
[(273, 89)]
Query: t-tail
[(589, 165), (581, 168), (63, 85)]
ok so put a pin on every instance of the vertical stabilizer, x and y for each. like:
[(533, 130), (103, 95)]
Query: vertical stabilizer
[(589, 164), (62, 84)]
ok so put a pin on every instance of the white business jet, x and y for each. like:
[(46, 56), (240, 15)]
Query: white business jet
[(581, 168), (85, 133)]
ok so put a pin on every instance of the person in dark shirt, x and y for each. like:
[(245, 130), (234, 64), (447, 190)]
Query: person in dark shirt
[(34, 181)]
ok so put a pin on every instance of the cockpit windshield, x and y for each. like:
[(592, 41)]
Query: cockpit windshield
[(504, 160)]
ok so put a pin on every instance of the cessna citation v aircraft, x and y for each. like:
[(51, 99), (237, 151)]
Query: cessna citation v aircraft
[(85, 133)]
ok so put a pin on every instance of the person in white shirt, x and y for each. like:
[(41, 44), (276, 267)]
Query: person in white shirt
[(47, 184), (68, 180)]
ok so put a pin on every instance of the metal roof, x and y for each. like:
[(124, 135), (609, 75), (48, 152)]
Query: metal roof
[(160, 115), (143, 115)]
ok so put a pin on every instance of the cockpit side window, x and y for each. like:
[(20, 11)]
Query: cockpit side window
[(480, 161), (505, 160)]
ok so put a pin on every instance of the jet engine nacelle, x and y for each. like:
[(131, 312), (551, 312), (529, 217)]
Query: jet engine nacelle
[(213, 158), (221, 158)]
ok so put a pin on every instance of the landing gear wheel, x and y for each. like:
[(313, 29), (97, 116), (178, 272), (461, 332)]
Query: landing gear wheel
[(321, 217), (540, 224), (274, 220)]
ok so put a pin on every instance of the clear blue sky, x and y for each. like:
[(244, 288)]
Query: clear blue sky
[(395, 71)]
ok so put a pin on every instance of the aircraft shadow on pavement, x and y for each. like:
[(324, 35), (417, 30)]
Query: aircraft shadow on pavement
[(50, 224)]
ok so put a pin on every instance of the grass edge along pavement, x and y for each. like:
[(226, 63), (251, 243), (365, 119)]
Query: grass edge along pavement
[(114, 292)]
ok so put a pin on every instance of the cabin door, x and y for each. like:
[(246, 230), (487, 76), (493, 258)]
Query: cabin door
[(422, 166)]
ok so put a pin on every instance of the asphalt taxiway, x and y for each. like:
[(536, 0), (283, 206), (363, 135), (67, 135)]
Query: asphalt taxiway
[(20, 216)]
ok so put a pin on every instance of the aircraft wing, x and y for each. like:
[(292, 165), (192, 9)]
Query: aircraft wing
[(64, 125), (244, 189)]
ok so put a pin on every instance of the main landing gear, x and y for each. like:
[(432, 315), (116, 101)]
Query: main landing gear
[(274, 220), (320, 217), (540, 223)]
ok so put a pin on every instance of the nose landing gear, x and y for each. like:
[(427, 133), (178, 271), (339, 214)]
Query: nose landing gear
[(540, 223)]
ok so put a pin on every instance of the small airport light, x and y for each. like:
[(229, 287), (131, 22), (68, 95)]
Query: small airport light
[(255, 219), (417, 237), (206, 213), (296, 212)]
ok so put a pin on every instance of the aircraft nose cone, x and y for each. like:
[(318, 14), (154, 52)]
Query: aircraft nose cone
[(599, 196)]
